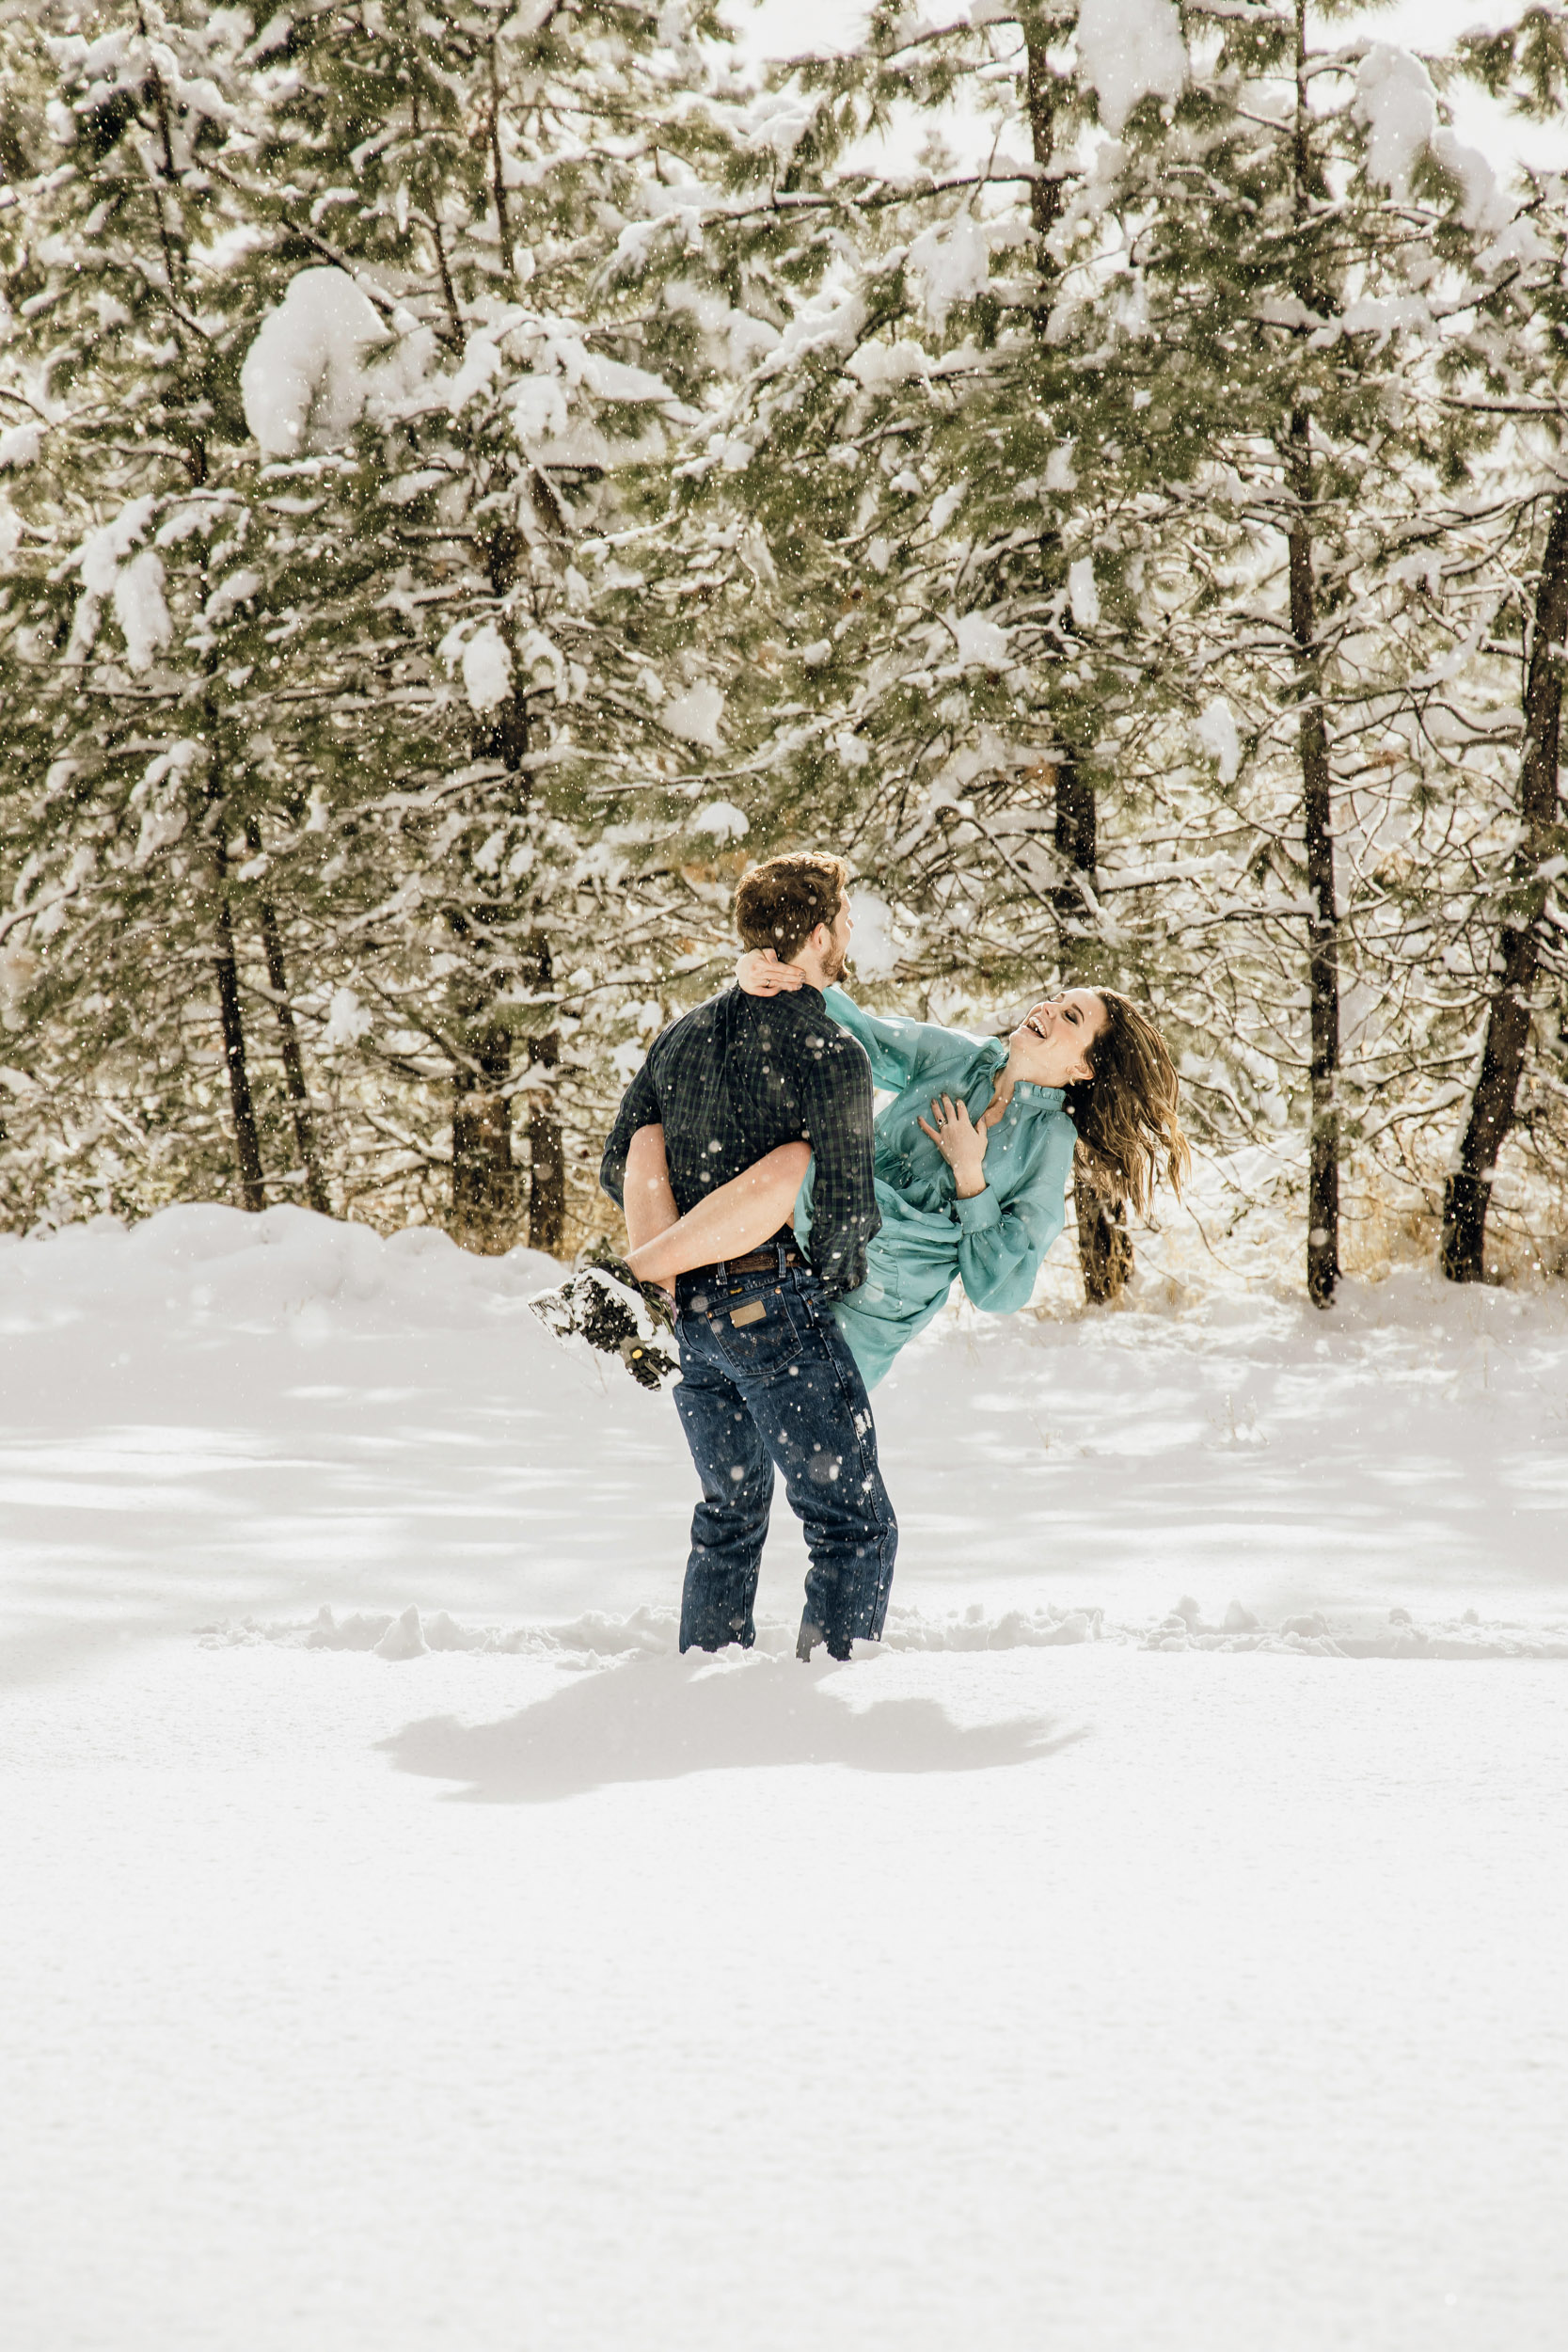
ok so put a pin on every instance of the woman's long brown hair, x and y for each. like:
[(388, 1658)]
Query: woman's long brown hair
[(1129, 1132)]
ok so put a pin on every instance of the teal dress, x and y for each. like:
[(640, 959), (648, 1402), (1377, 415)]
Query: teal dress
[(994, 1243)]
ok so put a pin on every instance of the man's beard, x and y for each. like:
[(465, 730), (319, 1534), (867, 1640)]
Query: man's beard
[(834, 963)]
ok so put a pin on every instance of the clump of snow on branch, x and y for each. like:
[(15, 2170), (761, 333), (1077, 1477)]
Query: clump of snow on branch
[(140, 609), (303, 382), (486, 669), (20, 445), (694, 716), (954, 262), (231, 594), (1082, 594), (1215, 731), (982, 646), (1127, 50), (723, 820), (346, 1021), (877, 367), (1395, 98), (538, 406), (480, 363), (136, 584), (103, 550)]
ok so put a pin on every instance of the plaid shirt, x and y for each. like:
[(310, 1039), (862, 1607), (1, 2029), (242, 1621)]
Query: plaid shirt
[(737, 1076)]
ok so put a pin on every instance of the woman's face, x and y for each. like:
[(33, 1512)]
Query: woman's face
[(1048, 1047)]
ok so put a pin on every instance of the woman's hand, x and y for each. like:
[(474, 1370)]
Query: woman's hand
[(759, 972), (962, 1145)]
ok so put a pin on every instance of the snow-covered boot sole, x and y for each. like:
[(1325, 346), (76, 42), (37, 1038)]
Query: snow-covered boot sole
[(607, 1308)]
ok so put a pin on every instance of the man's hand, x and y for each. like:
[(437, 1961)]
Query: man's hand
[(962, 1145), (759, 972)]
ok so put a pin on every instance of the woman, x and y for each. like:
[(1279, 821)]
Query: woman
[(975, 1189)]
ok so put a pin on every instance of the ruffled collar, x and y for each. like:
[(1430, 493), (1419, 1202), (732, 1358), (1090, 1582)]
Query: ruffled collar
[(993, 1051)]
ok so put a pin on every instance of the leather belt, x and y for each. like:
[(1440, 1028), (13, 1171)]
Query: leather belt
[(758, 1262), (768, 1260)]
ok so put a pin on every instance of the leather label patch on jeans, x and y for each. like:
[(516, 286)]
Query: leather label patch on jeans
[(754, 1311)]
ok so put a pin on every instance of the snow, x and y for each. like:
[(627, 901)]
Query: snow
[(538, 406), (412, 1973), (1083, 596), (303, 382), (237, 589), (481, 361), (694, 716), (1129, 50), (1395, 98), (21, 445), (486, 669), (879, 367), (136, 583), (613, 379), (954, 263), (981, 643), (1059, 472), (1215, 731), (723, 820), (140, 609), (348, 1020), (103, 550)]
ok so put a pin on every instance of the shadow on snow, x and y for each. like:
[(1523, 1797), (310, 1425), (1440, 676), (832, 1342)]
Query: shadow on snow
[(662, 1719)]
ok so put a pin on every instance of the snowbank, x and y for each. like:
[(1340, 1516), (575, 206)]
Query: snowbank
[(207, 1270), (596, 1637), (273, 1416)]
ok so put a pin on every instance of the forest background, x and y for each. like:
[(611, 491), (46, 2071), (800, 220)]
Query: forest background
[(473, 476)]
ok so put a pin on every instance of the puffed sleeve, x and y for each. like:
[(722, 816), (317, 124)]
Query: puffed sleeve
[(1000, 1248), (901, 1053)]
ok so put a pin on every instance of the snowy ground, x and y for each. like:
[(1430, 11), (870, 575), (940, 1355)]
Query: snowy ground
[(1156, 1946)]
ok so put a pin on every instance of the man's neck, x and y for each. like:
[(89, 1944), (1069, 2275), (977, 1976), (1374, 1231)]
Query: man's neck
[(812, 966)]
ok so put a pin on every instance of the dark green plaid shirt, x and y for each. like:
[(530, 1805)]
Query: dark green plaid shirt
[(732, 1080)]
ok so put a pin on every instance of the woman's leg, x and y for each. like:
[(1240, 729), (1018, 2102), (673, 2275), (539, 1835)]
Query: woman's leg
[(746, 1212)]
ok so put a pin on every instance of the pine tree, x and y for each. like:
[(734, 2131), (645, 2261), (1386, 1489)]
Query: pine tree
[(949, 459), (134, 613), (1509, 368), (408, 692), (512, 680), (1289, 293)]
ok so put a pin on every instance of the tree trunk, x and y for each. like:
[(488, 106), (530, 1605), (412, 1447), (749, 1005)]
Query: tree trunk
[(1467, 1193), (498, 163), (484, 1181), (1323, 938), (247, 1149), (1077, 833), (1104, 1244), (288, 1038), (1322, 952), (547, 1204), (1042, 90)]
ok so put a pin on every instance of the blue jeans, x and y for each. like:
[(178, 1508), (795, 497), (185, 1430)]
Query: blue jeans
[(767, 1379)]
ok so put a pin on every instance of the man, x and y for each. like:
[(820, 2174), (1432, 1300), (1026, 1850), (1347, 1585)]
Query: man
[(766, 1378)]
